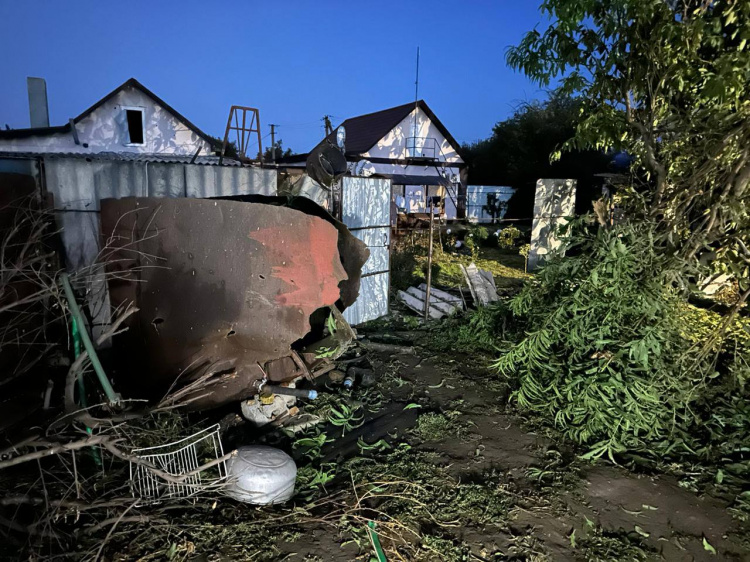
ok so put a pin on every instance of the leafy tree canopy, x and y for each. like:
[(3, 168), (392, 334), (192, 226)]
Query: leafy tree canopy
[(518, 152), (667, 81), (280, 152)]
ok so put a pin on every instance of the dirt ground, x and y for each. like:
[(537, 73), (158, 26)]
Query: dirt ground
[(430, 451), (556, 507)]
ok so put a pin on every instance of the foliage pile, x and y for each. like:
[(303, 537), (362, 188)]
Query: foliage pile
[(613, 355)]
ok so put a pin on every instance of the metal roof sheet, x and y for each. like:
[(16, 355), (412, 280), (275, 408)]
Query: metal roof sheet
[(125, 157)]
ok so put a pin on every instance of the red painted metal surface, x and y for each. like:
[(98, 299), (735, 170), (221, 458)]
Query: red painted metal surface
[(225, 283)]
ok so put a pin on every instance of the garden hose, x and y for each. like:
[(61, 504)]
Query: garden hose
[(75, 312), (76, 335), (376, 542)]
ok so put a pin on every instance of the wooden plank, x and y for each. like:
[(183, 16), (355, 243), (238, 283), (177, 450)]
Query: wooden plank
[(442, 295), (417, 305), (435, 301)]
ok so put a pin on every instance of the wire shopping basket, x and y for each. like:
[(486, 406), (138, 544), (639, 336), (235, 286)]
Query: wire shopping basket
[(192, 458)]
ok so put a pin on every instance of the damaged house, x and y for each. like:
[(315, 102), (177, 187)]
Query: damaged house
[(130, 120), (411, 147)]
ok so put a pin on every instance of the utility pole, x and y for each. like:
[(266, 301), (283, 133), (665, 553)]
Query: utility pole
[(273, 142), (327, 121), (429, 264)]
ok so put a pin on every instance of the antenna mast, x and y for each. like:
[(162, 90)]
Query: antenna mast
[(416, 104)]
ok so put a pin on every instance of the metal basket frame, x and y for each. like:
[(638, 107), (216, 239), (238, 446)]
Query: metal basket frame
[(177, 458)]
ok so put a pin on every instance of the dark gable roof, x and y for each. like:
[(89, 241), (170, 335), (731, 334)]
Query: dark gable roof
[(132, 83), (35, 132), (363, 132)]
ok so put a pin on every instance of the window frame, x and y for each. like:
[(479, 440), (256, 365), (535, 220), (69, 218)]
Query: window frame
[(142, 110)]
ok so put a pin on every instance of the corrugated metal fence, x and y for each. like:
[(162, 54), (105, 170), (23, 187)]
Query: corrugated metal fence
[(77, 186)]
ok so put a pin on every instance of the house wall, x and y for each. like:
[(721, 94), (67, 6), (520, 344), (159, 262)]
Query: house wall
[(393, 145), (105, 130)]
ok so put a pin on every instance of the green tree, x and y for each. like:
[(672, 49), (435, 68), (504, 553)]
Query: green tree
[(669, 83), (609, 349), (218, 144), (280, 152), (518, 153)]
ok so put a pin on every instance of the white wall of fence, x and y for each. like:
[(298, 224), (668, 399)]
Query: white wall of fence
[(477, 197)]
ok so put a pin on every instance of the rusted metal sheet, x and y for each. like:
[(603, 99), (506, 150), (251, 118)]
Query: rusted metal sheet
[(226, 283)]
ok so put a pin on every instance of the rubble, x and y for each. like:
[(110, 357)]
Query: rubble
[(481, 284), (441, 303), (253, 290)]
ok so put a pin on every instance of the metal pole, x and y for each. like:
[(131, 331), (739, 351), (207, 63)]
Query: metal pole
[(416, 105), (429, 266), (112, 396), (273, 142)]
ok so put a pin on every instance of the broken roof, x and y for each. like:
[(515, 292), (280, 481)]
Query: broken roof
[(131, 83), (364, 132)]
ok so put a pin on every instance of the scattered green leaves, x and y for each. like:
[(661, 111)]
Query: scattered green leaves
[(345, 417)]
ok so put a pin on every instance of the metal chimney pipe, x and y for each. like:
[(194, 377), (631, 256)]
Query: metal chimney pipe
[(38, 109)]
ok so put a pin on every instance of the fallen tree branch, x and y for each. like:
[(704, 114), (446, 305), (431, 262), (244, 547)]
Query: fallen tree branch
[(55, 450)]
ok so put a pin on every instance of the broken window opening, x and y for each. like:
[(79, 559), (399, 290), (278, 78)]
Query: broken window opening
[(134, 119)]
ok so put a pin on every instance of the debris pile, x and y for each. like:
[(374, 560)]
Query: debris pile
[(252, 289), (441, 303), (481, 284)]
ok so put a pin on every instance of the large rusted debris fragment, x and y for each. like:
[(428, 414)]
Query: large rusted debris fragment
[(246, 288)]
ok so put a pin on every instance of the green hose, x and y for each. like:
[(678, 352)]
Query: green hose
[(112, 396), (376, 542), (76, 335)]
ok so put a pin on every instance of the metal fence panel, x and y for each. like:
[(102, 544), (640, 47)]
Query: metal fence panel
[(476, 200), (365, 202), (372, 302), (366, 210), (378, 242)]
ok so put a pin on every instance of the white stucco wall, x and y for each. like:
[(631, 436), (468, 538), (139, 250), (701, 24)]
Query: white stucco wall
[(415, 194), (105, 130), (393, 145), (554, 204)]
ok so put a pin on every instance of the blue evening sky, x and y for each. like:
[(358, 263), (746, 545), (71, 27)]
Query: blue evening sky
[(295, 60)]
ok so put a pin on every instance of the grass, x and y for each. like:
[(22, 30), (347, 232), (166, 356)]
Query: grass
[(434, 426), (601, 546), (507, 267), (409, 264)]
